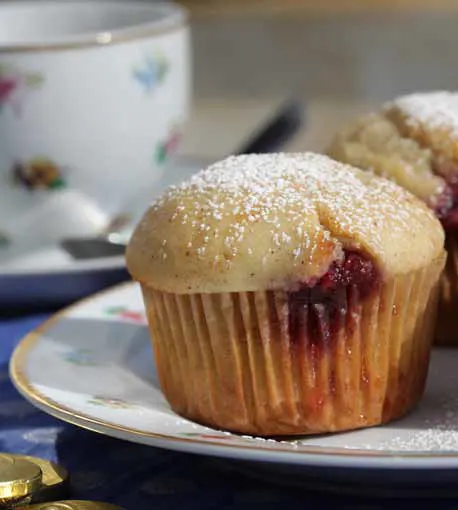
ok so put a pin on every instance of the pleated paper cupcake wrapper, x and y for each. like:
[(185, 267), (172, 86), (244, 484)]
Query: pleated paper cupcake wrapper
[(228, 361), (447, 324)]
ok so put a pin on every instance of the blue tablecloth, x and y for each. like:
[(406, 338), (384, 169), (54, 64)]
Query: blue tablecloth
[(140, 477)]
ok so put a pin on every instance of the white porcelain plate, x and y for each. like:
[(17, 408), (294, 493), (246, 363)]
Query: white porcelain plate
[(92, 365)]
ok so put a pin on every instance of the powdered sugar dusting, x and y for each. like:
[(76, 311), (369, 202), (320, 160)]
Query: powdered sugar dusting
[(437, 432), (435, 110), (283, 191), (428, 440), (270, 221)]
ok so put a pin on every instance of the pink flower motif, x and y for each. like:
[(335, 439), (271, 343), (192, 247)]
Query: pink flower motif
[(7, 87), (172, 143), (14, 86), (122, 312)]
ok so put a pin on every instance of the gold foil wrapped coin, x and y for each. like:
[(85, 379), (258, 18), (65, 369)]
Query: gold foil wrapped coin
[(72, 505), (54, 484), (19, 480)]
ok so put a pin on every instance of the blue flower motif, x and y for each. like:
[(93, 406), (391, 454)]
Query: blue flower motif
[(83, 357), (152, 72)]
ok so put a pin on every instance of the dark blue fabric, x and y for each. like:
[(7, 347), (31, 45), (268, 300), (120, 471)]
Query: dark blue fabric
[(140, 477)]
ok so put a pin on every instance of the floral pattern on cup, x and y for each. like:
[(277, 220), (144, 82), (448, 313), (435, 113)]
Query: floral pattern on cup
[(168, 145), (111, 402), (14, 85), (38, 173), (81, 357), (152, 71), (123, 312)]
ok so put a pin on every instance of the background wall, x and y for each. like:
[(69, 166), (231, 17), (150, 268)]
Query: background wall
[(372, 52)]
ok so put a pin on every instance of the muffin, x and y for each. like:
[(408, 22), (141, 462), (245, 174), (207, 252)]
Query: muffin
[(289, 294), (413, 140)]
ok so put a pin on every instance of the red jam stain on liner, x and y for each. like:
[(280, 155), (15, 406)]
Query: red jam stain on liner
[(444, 204), (446, 208), (318, 312)]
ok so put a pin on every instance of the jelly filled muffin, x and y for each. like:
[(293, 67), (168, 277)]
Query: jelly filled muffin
[(414, 141), (289, 294)]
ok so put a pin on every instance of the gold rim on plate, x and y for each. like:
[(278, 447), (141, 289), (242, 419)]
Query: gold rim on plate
[(18, 375)]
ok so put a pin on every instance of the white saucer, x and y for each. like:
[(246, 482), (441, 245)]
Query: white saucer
[(49, 276), (41, 286), (92, 365)]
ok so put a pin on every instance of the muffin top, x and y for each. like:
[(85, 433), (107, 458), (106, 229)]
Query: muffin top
[(412, 139), (431, 119), (258, 222)]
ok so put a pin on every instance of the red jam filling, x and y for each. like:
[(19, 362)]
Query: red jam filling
[(447, 207), (318, 312)]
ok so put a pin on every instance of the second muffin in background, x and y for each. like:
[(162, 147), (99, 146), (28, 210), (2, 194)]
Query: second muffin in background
[(289, 294), (413, 140)]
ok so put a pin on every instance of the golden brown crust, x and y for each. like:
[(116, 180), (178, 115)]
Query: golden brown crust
[(259, 222)]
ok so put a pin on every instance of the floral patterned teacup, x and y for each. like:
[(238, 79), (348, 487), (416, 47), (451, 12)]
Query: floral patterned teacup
[(93, 97)]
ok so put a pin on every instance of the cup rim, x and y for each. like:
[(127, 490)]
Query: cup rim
[(174, 17)]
